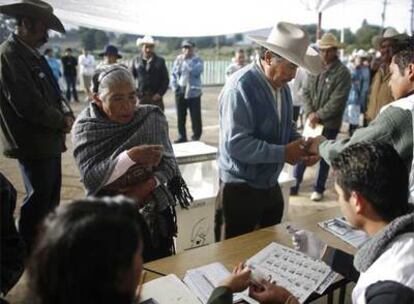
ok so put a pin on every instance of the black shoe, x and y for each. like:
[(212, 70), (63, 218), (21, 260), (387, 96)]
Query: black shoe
[(180, 140), (294, 190), (194, 138)]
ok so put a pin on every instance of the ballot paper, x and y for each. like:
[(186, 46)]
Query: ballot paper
[(295, 271), (342, 229), (202, 281), (309, 132)]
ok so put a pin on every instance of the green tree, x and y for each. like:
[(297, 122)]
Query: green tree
[(87, 38), (101, 39)]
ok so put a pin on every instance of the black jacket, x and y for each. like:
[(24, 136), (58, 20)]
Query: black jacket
[(31, 108), (69, 64), (155, 80)]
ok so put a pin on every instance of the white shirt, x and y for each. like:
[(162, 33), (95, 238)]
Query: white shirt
[(86, 64)]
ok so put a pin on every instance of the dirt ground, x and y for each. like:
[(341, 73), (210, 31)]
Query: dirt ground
[(72, 188)]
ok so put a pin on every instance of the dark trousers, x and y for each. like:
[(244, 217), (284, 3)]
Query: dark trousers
[(194, 105), (323, 172), (71, 87), (244, 208), (296, 112), (42, 180)]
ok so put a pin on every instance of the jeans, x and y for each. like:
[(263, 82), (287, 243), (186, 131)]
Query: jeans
[(245, 208), (323, 172), (194, 105), (71, 87), (42, 180)]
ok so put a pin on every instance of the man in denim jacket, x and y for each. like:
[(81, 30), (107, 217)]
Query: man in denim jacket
[(186, 83)]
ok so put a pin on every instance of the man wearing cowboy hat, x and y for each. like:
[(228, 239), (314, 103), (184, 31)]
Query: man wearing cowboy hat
[(325, 97), (257, 132), (389, 43), (110, 55), (150, 73), (33, 117)]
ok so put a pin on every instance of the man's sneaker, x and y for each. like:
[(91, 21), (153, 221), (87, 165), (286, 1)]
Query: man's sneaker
[(316, 196)]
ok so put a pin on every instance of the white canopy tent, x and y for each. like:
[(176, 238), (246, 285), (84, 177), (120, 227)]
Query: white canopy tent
[(191, 18)]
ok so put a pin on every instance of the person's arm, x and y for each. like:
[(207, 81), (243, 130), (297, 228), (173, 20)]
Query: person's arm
[(385, 128), (25, 98), (175, 73), (389, 292), (221, 295), (164, 78), (197, 67), (134, 71), (337, 100)]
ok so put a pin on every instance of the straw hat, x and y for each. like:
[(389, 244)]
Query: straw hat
[(145, 40), (291, 42), (34, 8), (328, 41)]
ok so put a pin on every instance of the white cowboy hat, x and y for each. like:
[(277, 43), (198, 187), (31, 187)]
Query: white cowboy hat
[(145, 40), (388, 33), (291, 42), (34, 8)]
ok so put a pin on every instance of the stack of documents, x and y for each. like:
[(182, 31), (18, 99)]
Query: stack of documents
[(342, 229)]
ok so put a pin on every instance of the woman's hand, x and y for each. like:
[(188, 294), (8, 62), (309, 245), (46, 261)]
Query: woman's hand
[(239, 280), (140, 191), (268, 293), (147, 155)]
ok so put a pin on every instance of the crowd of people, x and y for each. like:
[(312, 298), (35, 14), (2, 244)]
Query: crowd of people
[(132, 181)]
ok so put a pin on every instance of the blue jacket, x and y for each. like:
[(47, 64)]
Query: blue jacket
[(252, 135), (194, 67)]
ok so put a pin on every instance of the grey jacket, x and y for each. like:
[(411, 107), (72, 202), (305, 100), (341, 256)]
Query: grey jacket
[(393, 125), (31, 109), (327, 93)]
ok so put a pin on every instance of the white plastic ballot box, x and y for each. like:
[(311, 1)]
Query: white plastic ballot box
[(198, 166)]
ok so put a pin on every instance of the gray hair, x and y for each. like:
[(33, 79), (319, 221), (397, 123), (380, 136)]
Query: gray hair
[(111, 76)]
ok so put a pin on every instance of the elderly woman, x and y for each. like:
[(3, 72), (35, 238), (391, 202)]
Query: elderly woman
[(124, 149)]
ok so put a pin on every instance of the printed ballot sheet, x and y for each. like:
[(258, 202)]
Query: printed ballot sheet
[(342, 229), (297, 272)]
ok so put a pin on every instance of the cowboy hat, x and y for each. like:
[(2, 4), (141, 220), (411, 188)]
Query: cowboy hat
[(34, 8), (110, 50), (388, 33), (329, 41), (145, 40), (291, 42)]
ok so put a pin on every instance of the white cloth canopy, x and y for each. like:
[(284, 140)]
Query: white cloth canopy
[(191, 18)]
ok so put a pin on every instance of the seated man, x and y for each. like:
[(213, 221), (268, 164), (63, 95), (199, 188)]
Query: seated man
[(372, 182)]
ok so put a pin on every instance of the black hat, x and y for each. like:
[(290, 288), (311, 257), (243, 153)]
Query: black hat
[(34, 8), (110, 50)]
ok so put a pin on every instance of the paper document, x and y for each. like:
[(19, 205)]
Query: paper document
[(167, 290), (202, 281), (309, 132), (297, 272), (342, 229)]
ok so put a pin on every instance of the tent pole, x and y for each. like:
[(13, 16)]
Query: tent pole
[(319, 28)]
